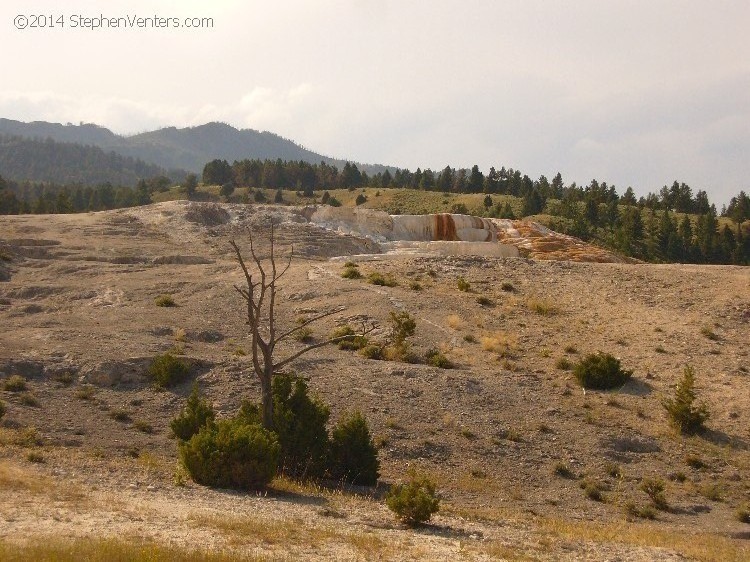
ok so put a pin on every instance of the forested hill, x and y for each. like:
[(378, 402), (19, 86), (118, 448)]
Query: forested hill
[(188, 148), (37, 160)]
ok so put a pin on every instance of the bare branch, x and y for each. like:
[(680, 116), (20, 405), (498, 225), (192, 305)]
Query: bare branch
[(304, 350), (310, 321)]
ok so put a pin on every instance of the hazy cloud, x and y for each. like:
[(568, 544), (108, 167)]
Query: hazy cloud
[(634, 93)]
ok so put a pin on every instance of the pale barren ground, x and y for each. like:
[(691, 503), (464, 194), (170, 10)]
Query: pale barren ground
[(78, 297)]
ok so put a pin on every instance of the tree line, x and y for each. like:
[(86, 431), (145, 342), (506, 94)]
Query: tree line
[(674, 225)]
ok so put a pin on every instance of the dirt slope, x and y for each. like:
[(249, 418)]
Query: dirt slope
[(79, 298)]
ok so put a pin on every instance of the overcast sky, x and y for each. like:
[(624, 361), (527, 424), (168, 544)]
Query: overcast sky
[(638, 92)]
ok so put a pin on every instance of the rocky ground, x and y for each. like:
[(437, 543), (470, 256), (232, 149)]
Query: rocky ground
[(85, 450)]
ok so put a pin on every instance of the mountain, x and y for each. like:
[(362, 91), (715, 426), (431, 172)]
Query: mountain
[(189, 148), (38, 160)]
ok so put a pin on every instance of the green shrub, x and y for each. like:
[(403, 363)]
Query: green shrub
[(352, 342), (14, 383), (303, 335), (562, 469), (376, 278), (164, 300), (743, 514), (299, 422), (435, 358), (372, 351), (351, 273), (563, 364), (28, 399), (120, 415), (361, 198), (645, 512), (685, 417), (414, 502), (144, 427), (353, 456), (485, 301), (470, 338), (712, 491), (231, 454), (167, 370), (196, 414), (402, 327), (593, 490), (463, 285), (600, 371), (655, 491)]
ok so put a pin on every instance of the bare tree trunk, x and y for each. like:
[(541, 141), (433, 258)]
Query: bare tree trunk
[(260, 297)]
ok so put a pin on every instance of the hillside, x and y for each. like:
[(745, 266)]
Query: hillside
[(187, 148), (85, 451), (36, 160)]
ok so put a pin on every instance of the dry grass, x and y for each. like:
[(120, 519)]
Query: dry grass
[(289, 532), (694, 545), (111, 549), (499, 342), (542, 307), (455, 322)]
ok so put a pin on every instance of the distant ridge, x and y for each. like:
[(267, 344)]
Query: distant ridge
[(48, 161), (189, 148)]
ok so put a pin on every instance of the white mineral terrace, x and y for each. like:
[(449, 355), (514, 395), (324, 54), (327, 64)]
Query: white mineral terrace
[(445, 234)]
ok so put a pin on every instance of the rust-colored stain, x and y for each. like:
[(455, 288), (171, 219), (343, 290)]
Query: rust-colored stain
[(445, 227)]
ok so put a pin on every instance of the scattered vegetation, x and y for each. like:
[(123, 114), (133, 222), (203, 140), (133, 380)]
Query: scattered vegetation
[(613, 470), (463, 285), (563, 470), (542, 307), (352, 342), (65, 378), (28, 399), (86, 392), (3, 409), (564, 364), (414, 502), (415, 286), (694, 461), (120, 415), (166, 370), (485, 301), (351, 271), (165, 301), (436, 358), (683, 415), (593, 490), (15, 383), (36, 457), (742, 514), (376, 278), (144, 427), (654, 489), (600, 371), (644, 512), (713, 491)]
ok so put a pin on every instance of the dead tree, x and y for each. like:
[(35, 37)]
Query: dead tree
[(260, 294)]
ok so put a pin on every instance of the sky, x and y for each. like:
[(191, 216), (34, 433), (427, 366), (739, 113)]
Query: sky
[(632, 92)]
